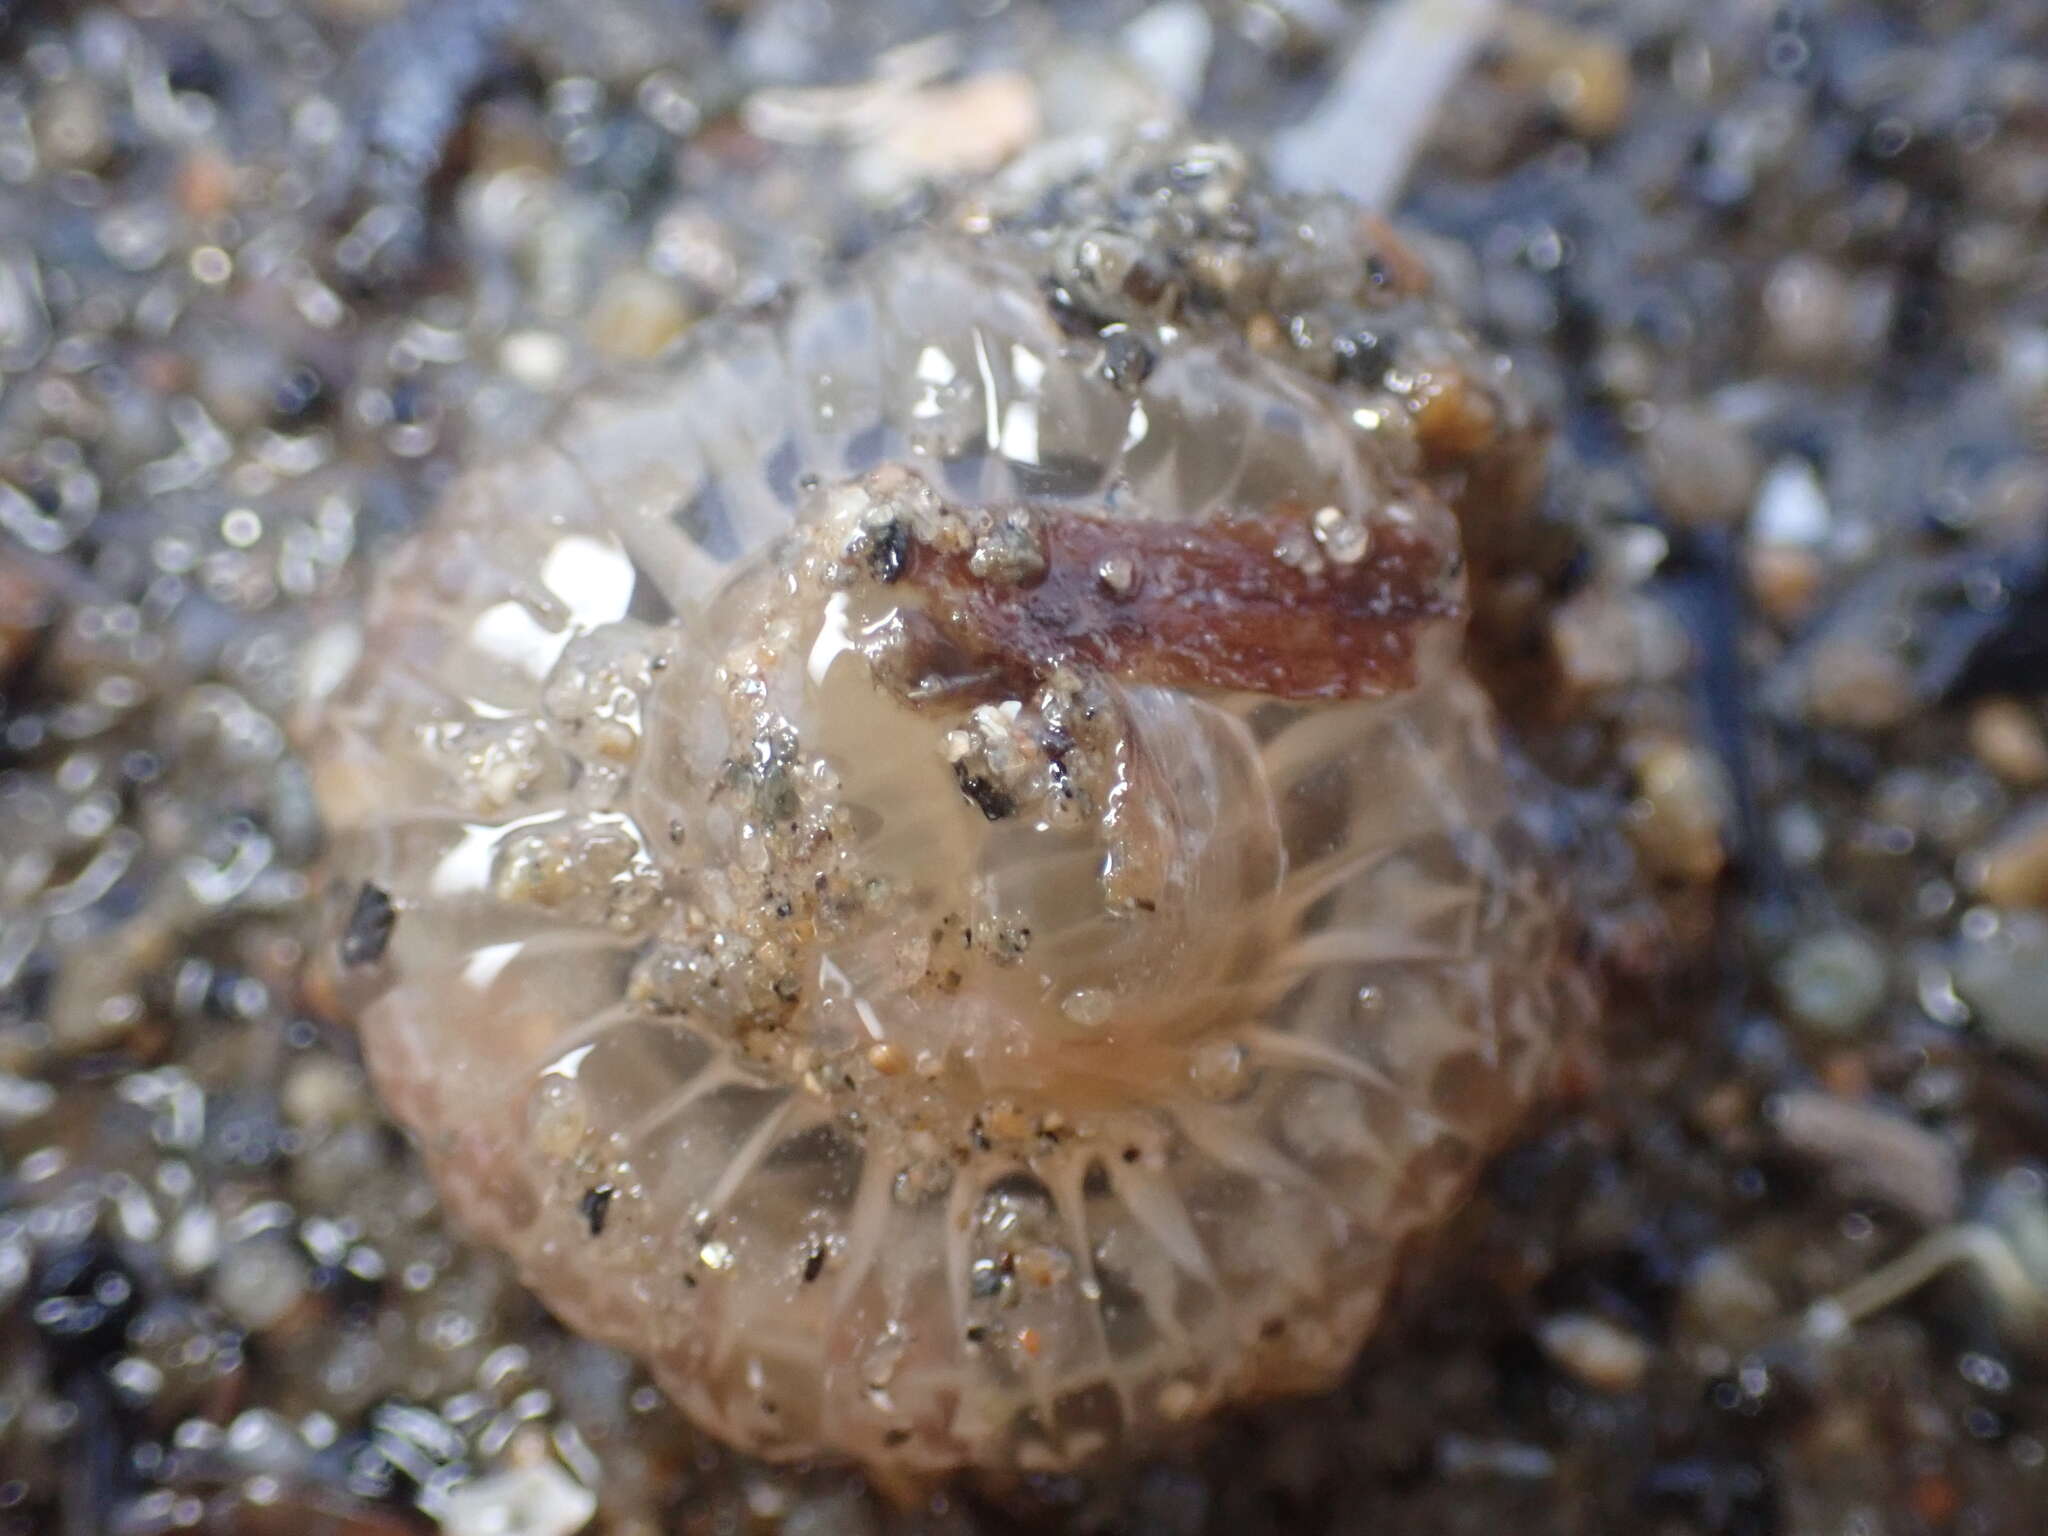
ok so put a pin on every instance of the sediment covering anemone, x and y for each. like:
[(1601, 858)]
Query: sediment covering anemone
[(932, 866)]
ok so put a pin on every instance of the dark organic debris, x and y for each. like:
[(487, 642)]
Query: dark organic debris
[(1206, 605), (83, 1300), (2002, 649), (369, 927), (987, 796)]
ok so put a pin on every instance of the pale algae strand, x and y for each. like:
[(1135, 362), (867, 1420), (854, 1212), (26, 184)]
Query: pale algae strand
[(932, 866)]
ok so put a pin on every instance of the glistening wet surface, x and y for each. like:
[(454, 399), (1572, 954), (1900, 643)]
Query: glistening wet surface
[(1772, 621)]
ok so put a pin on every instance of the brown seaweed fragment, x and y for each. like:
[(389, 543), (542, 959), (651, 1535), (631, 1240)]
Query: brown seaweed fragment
[(1229, 603)]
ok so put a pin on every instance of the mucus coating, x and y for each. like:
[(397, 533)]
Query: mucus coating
[(952, 890)]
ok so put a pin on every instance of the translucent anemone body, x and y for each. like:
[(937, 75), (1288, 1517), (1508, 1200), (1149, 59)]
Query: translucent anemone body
[(952, 891)]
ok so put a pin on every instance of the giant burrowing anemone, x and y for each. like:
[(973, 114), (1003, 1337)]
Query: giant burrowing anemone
[(933, 867)]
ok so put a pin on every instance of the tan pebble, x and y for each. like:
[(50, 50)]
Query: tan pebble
[(635, 316), (2007, 738), (71, 127), (1722, 1109), (614, 740), (24, 611), (1006, 1122), (1454, 420), (1625, 369), (2012, 869), (164, 372), (1262, 333), (1784, 579), (1845, 1074), (1810, 307), (1590, 638), (205, 185), (1726, 1299), (1871, 1150), (506, 138), (1594, 1351), (1681, 810), (1603, 640), (1041, 1266), (322, 1092), (968, 129), (1855, 684), (1591, 88), (1583, 74), (1702, 470)]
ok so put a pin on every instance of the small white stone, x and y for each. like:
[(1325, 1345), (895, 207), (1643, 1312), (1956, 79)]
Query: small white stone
[(537, 359), (195, 1240), (1170, 44), (262, 1441), (1792, 507), (1833, 981), (259, 1282), (1345, 538), (22, 1099), (540, 1500), (1116, 574)]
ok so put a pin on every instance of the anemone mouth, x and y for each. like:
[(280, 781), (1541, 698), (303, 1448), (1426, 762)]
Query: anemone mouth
[(991, 804), (952, 894)]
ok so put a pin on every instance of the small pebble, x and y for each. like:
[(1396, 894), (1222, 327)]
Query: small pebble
[(2001, 971), (260, 1440), (260, 1282), (964, 129), (1583, 74), (1594, 1351), (538, 359), (1791, 507), (1785, 580), (1170, 44), (72, 127), (635, 316), (1855, 684), (2008, 739), (1726, 1299), (1604, 640), (1833, 981), (322, 1092), (204, 185), (1703, 471), (2012, 869), (23, 1099), (1680, 812), (540, 1500), (1872, 1151), (1812, 312)]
